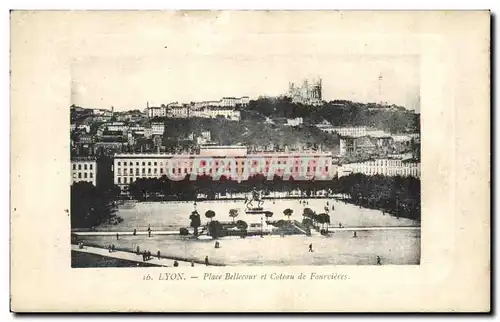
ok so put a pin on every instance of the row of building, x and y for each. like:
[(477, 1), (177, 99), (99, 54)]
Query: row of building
[(234, 162), (225, 108)]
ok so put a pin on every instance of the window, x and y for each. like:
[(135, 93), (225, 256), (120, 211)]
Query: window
[(74, 166), (156, 163), (149, 170), (90, 166), (74, 175), (91, 175), (185, 170), (326, 168), (137, 163), (124, 180), (143, 171), (118, 163), (85, 175), (79, 176), (119, 171), (125, 163), (156, 171), (79, 167), (125, 171), (161, 170), (144, 163), (136, 171), (119, 180), (308, 169), (178, 170), (149, 163)]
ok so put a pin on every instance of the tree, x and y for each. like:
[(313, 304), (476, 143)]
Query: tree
[(288, 212), (268, 215), (233, 213), (210, 214), (241, 225), (195, 221), (215, 229), (308, 213)]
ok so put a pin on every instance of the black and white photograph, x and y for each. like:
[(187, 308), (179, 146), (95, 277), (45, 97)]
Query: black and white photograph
[(250, 161), (244, 150)]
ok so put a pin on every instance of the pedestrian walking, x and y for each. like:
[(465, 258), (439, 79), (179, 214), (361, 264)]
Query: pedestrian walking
[(354, 235), (192, 264), (138, 250), (176, 264), (135, 232), (158, 254), (206, 260), (149, 254), (310, 248), (113, 247), (117, 236), (109, 248), (144, 256), (379, 262)]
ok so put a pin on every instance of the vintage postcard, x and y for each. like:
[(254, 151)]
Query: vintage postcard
[(250, 161)]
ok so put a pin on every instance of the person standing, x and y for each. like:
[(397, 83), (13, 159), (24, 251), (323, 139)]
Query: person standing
[(379, 262), (192, 263), (206, 260), (138, 250), (310, 248), (149, 230), (117, 236), (135, 232), (113, 248), (158, 254)]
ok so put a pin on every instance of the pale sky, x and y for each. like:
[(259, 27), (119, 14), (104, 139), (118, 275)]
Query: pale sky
[(207, 60)]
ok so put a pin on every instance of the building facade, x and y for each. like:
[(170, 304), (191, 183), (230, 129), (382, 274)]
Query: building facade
[(352, 131), (84, 169), (158, 111), (231, 161), (386, 167), (157, 128)]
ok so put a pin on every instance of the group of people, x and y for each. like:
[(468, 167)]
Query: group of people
[(146, 255), (111, 248)]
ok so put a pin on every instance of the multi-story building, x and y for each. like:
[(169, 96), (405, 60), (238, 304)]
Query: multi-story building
[(353, 131), (157, 111), (157, 128), (385, 166), (231, 161), (178, 111), (357, 145), (84, 169), (202, 104), (225, 112), (234, 101), (308, 93), (116, 126)]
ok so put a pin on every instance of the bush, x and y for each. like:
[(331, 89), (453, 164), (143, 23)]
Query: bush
[(183, 232)]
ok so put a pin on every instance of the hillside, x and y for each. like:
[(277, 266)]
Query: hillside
[(251, 133)]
